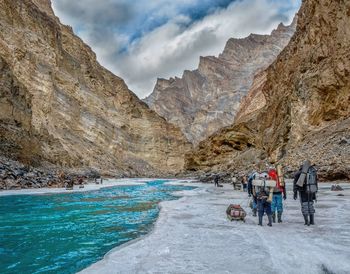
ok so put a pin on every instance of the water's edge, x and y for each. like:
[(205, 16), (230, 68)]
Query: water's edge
[(148, 193), (108, 183), (183, 194), (160, 206)]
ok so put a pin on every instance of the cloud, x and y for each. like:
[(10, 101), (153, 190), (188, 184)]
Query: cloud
[(149, 39)]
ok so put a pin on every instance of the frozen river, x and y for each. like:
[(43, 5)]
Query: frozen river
[(193, 235), (65, 232)]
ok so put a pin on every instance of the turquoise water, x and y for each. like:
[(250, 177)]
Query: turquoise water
[(64, 233)]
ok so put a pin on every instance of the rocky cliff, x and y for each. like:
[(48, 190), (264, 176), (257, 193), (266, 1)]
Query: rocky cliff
[(207, 99), (299, 108), (59, 106)]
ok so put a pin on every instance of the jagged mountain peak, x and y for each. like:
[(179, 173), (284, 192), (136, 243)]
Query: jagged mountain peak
[(206, 99)]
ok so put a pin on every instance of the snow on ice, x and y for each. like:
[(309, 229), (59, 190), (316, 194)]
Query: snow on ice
[(193, 235)]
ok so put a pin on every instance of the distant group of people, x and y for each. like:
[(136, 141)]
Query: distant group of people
[(99, 181), (68, 181), (268, 190)]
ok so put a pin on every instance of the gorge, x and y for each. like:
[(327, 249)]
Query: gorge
[(61, 110), (94, 179)]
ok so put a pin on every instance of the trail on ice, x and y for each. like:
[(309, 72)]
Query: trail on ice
[(193, 235)]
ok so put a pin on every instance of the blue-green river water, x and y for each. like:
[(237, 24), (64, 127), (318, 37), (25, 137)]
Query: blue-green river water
[(64, 233)]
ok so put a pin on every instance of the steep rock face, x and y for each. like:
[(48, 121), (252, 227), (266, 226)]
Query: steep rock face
[(254, 100), (58, 105), (207, 99), (45, 6), (305, 113)]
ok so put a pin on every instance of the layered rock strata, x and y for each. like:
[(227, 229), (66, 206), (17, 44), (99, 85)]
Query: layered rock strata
[(59, 106), (207, 99), (304, 103)]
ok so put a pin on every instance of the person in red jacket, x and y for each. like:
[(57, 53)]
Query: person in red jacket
[(279, 190)]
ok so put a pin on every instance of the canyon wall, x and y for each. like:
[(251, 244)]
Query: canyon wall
[(299, 108), (207, 99), (59, 106)]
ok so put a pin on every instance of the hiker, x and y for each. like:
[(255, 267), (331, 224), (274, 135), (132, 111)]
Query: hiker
[(234, 182), (216, 180), (70, 184), (61, 177), (250, 192), (261, 194), (244, 183), (278, 191), (305, 182), (80, 180)]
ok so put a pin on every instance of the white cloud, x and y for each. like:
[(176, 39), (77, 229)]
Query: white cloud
[(174, 46)]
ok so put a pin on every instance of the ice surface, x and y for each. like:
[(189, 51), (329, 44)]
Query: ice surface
[(193, 235), (87, 187)]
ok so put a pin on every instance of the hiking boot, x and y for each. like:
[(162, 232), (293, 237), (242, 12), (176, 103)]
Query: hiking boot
[(260, 220), (279, 217), (270, 220), (306, 219), (254, 212), (312, 219), (274, 217)]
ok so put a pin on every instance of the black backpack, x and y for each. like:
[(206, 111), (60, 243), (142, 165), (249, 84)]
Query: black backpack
[(311, 180)]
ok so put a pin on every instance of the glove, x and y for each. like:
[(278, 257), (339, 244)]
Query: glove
[(249, 195), (295, 195), (284, 196)]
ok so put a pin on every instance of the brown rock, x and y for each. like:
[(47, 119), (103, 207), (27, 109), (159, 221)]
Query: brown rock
[(207, 99), (307, 109), (44, 5), (59, 106)]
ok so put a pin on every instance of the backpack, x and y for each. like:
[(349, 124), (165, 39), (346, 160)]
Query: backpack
[(304, 169), (262, 194), (311, 180)]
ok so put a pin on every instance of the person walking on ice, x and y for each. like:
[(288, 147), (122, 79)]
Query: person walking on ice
[(278, 192), (261, 193), (305, 182), (250, 192), (216, 180)]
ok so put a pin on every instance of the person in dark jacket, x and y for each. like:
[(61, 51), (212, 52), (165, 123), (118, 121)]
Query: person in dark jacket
[(261, 195), (250, 192), (306, 199), (216, 180)]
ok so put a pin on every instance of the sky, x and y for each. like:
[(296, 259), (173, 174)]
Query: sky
[(143, 40)]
